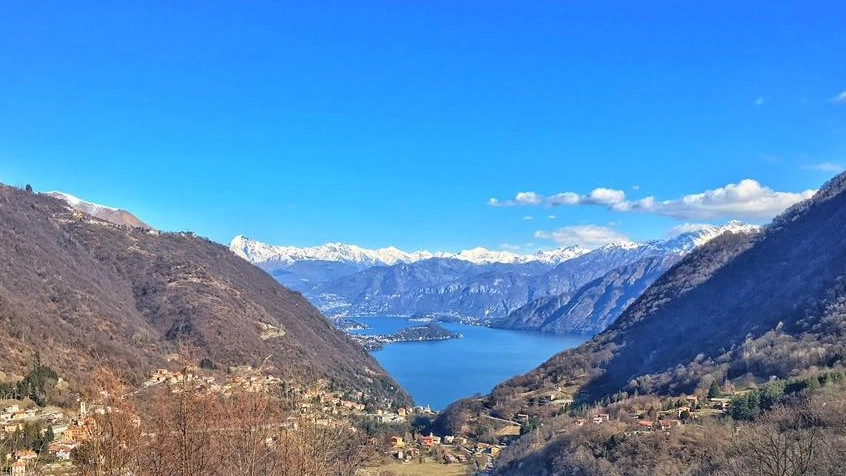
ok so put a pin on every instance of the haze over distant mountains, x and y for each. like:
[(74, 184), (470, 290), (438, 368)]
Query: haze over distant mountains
[(495, 287)]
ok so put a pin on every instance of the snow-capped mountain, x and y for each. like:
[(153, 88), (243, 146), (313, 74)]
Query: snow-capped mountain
[(102, 212), (482, 256), (686, 242), (478, 283), (271, 257), (607, 280), (268, 256), (560, 255)]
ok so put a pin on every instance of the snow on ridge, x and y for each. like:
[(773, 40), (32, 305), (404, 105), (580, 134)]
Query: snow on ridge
[(261, 253), (79, 203), (686, 242), (621, 245), (105, 213), (481, 255), (258, 253)]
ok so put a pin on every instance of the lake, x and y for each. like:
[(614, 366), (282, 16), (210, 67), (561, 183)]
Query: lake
[(437, 373)]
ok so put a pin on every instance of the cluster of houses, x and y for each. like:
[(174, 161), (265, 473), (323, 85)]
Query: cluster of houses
[(13, 417), (318, 403), (597, 420), (667, 420), (243, 378), (448, 449), (68, 433), (319, 400)]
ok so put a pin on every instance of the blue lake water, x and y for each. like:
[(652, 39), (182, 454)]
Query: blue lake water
[(438, 373)]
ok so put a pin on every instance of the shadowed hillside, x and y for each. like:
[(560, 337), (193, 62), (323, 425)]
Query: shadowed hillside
[(769, 305), (594, 306), (782, 290)]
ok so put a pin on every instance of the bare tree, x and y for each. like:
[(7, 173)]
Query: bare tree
[(781, 443), (246, 444), (112, 434), (181, 434), (186, 431)]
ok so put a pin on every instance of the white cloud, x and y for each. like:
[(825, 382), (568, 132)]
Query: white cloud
[(747, 199), (522, 198), (599, 196), (605, 196), (509, 247), (551, 217), (588, 236), (840, 98), (826, 167), (567, 198), (528, 198), (528, 218)]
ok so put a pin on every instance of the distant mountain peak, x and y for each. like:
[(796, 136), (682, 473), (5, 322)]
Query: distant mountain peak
[(260, 253), (481, 255), (688, 240), (622, 245), (559, 255), (109, 214)]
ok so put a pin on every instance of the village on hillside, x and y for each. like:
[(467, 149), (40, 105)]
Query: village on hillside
[(46, 439)]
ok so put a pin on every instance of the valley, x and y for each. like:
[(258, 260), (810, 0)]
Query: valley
[(488, 396), (563, 290), (422, 239)]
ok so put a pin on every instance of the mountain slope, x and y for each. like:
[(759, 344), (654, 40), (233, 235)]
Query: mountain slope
[(592, 307), (770, 304), (491, 291), (433, 286), (86, 293), (587, 293)]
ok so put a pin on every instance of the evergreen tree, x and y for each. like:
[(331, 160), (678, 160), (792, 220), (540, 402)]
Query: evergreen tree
[(714, 391), (49, 437), (771, 394)]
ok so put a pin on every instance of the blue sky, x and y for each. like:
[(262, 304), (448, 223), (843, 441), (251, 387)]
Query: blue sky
[(396, 123)]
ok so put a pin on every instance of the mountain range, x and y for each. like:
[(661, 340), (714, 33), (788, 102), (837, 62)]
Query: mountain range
[(498, 288), (84, 293), (272, 257)]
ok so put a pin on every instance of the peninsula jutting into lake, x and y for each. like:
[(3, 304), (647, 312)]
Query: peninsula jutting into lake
[(429, 332)]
